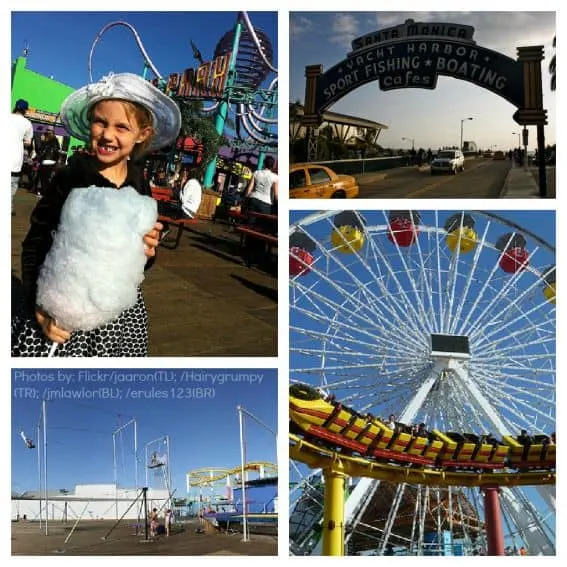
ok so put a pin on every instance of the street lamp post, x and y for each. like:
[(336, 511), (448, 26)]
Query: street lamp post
[(519, 143), (463, 120), (410, 140)]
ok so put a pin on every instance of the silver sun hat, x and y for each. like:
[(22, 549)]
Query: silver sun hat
[(166, 116)]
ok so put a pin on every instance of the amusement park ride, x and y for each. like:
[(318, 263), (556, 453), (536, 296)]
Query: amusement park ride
[(232, 81), (215, 485), (438, 318)]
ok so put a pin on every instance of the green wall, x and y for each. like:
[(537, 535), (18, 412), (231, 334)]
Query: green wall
[(42, 93)]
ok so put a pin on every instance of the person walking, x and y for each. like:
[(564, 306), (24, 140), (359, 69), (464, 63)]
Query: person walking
[(263, 188), (48, 156), (261, 194), (20, 132)]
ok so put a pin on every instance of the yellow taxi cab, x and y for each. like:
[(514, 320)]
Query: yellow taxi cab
[(315, 181), (499, 155)]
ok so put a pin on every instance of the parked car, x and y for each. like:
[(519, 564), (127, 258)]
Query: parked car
[(451, 161), (487, 154), (315, 181), (499, 155)]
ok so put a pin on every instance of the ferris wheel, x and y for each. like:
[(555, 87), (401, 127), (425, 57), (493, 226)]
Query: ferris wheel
[(437, 317)]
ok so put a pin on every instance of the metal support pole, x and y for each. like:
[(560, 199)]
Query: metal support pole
[(245, 537), (145, 500), (76, 523), (334, 510), (223, 106), (115, 476), (136, 455), (38, 437), (44, 411), (493, 521), (167, 440), (541, 161), (143, 493)]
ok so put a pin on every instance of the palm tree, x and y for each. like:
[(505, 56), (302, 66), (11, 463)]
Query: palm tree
[(552, 67)]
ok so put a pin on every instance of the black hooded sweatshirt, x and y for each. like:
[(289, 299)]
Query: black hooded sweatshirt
[(45, 217)]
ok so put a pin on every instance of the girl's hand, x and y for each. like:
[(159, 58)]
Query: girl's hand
[(151, 240), (50, 329)]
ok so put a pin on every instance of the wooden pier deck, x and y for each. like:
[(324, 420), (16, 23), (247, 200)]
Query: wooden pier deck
[(202, 299)]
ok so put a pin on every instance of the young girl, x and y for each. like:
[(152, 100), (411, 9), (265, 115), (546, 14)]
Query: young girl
[(122, 116)]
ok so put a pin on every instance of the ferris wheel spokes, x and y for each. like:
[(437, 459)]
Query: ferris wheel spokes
[(472, 276)]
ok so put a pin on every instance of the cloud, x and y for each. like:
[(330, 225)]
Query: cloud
[(299, 25), (345, 29)]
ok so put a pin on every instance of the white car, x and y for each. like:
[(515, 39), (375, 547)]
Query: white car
[(448, 160)]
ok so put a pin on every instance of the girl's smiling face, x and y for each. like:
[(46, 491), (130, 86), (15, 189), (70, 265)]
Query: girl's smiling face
[(115, 132)]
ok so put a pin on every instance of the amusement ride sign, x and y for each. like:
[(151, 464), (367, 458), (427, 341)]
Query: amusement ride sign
[(207, 81), (413, 55)]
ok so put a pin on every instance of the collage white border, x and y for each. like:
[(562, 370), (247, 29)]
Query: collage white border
[(282, 361)]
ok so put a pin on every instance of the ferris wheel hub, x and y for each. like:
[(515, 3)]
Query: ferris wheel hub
[(449, 350)]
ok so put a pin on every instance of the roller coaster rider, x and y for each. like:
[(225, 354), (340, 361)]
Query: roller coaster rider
[(526, 441)]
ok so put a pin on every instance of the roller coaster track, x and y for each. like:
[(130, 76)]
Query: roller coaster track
[(203, 476), (315, 456)]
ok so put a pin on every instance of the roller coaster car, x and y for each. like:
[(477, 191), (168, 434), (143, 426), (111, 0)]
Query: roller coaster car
[(469, 451), (537, 454), (367, 435), (338, 425), (331, 421)]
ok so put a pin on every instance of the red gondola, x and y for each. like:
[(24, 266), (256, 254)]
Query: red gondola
[(301, 258), (514, 257), (403, 227)]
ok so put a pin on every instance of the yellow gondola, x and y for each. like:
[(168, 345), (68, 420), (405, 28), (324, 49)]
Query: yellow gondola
[(549, 292), (347, 239), (464, 238)]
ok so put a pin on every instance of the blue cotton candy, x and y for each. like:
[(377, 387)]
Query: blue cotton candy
[(96, 263)]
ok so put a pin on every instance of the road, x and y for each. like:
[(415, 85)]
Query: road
[(482, 179)]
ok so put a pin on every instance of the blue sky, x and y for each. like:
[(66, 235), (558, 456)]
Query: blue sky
[(166, 37), (203, 432), (431, 117)]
